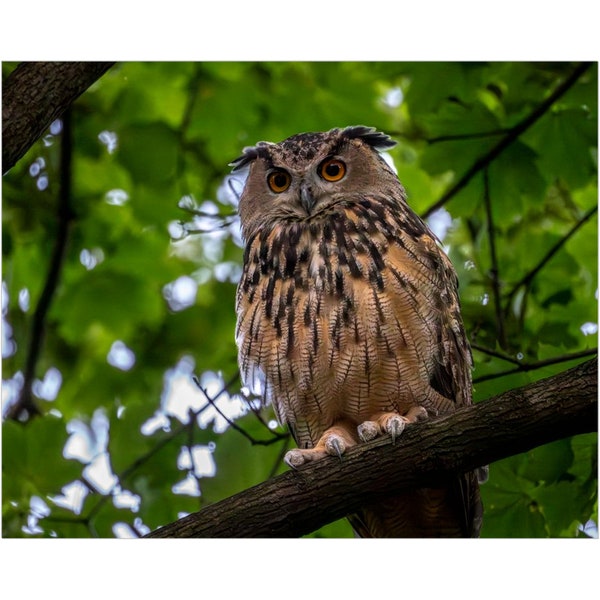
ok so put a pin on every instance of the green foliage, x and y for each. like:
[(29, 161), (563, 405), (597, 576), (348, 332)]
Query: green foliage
[(148, 135)]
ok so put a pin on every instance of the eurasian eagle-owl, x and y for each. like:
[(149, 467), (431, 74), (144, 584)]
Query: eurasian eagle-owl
[(348, 314)]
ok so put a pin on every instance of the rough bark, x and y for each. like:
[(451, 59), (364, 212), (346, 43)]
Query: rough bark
[(34, 95), (298, 502)]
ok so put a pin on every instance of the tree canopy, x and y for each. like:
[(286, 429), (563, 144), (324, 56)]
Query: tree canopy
[(122, 404)]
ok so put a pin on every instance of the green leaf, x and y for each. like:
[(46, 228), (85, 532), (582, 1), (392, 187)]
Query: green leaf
[(32, 458), (149, 152), (514, 179), (116, 301), (547, 464), (563, 507), (563, 140)]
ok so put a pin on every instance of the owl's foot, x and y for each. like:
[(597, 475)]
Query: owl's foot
[(334, 442), (390, 422)]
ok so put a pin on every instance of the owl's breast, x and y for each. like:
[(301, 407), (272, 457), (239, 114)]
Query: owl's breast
[(337, 315)]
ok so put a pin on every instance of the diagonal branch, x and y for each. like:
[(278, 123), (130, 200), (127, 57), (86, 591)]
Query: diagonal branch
[(298, 502), (529, 277), (34, 95), (514, 132)]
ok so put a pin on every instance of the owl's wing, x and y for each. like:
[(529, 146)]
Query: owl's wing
[(451, 375), (452, 378), (453, 509)]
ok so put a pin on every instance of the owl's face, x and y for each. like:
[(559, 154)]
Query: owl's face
[(303, 177)]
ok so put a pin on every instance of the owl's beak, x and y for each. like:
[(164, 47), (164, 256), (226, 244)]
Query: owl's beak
[(306, 199)]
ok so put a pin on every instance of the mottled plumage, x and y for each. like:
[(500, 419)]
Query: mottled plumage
[(348, 313)]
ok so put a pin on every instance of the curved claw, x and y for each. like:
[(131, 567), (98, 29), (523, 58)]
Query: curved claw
[(337, 446), (367, 431), (395, 428), (294, 458)]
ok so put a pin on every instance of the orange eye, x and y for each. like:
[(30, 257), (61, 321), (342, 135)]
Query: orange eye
[(279, 181), (332, 169)]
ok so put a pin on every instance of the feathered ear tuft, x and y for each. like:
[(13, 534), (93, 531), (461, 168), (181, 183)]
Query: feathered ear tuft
[(250, 154), (375, 139)]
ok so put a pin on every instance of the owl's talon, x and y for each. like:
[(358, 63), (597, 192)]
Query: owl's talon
[(395, 427), (335, 445), (368, 431), (294, 458), (418, 413), (391, 423)]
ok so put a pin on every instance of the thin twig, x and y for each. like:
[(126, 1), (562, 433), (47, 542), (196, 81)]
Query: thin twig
[(160, 444), (188, 112), (524, 367), (449, 137), (496, 354), (512, 135), (466, 136), (235, 426), (528, 277), (494, 271)]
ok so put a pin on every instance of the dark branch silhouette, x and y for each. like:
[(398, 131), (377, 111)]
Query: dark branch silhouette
[(526, 280), (494, 270), (298, 502), (514, 132), (25, 405), (523, 367)]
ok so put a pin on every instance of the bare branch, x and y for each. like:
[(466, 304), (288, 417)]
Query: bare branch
[(275, 437), (491, 352), (529, 277), (298, 502), (540, 364), (494, 271), (520, 128), (466, 136), (25, 405)]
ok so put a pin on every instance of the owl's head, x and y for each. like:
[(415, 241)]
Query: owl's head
[(306, 175)]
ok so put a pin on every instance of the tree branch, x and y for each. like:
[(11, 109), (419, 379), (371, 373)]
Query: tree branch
[(25, 405), (529, 277), (34, 95), (494, 270), (523, 367), (298, 502), (513, 133)]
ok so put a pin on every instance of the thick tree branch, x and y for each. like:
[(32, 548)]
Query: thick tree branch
[(298, 502), (34, 95)]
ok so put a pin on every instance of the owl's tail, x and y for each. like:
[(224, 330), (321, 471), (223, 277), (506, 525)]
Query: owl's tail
[(451, 511)]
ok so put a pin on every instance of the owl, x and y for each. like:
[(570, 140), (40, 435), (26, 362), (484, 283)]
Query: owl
[(348, 316)]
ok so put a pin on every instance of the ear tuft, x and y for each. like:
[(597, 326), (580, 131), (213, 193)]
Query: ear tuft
[(369, 135), (249, 154)]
